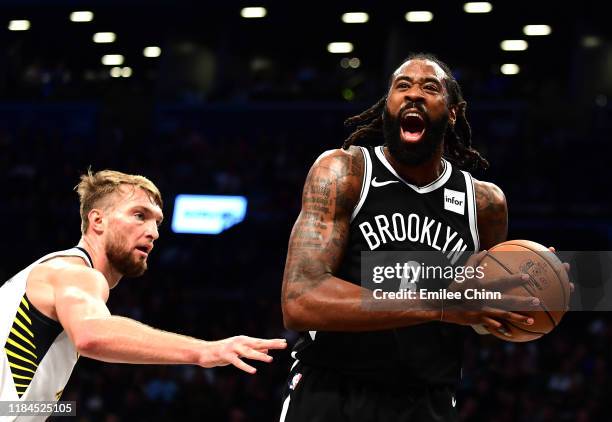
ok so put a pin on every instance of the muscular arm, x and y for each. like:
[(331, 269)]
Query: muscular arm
[(80, 305), (492, 214), (313, 298)]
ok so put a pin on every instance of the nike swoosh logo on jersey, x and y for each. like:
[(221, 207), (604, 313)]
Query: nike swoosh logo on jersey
[(379, 184)]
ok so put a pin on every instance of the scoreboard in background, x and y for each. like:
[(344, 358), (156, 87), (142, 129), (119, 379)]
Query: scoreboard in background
[(207, 214)]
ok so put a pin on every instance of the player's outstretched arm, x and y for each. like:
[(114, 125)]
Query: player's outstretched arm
[(313, 298), (80, 304)]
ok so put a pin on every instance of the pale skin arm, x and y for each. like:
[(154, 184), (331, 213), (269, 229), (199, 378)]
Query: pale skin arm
[(80, 304)]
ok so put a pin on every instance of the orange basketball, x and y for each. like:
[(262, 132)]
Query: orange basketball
[(548, 281)]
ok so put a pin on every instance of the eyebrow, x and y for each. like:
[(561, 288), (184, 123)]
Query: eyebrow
[(410, 79)]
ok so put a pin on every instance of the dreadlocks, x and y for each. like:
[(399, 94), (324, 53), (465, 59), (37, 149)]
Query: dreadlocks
[(457, 139)]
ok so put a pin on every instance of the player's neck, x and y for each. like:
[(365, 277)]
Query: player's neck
[(100, 261), (421, 174)]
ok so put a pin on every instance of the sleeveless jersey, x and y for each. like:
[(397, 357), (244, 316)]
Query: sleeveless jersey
[(38, 356), (394, 215)]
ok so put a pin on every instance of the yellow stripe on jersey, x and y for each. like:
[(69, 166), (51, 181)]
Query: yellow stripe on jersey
[(23, 327), (25, 303), (19, 346), (23, 368), (22, 385), (18, 334), (21, 377), (23, 314), (15, 355)]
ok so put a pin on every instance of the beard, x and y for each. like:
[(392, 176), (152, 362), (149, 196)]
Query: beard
[(122, 260), (418, 152)]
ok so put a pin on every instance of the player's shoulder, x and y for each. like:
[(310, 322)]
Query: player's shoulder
[(72, 271), (489, 197), (341, 162)]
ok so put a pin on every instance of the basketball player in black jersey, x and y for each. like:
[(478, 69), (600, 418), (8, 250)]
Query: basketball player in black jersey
[(352, 364)]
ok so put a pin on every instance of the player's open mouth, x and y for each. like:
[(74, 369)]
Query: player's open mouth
[(412, 127), (144, 250)]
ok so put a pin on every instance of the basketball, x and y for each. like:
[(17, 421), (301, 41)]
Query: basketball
[(548, 281)]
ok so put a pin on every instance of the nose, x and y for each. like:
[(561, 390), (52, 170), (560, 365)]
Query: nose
[(414, 94), (152, 231)]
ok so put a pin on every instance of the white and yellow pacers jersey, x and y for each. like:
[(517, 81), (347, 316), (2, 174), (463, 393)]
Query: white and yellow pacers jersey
[(38, 356)]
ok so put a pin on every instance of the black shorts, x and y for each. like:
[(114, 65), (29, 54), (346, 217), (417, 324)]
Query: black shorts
[(322, 395)]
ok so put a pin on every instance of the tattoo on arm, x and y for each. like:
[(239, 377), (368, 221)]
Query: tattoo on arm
[(492, 214), (320, 234)]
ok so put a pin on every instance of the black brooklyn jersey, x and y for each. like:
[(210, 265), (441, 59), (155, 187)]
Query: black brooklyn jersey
[(394, 215)]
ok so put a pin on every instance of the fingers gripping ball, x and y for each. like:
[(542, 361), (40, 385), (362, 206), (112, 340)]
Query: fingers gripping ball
[(548, 281)]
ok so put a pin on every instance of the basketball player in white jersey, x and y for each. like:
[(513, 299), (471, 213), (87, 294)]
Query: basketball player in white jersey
[(407, 189), (55, 310)]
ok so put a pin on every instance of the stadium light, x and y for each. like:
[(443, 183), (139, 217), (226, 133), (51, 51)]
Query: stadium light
[(355, 17), (510, 69), (112, 59), (115, 72), (126, 72), (477, 7), (536, 30), (253, 12), (514, 45), (340, 47), (104, 37), (419, 16), (152, 51), (19, 25), (81, 16)]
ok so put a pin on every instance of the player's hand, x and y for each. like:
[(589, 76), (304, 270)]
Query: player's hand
[(500, 306), (491, 314), (231, 351), (489, 318)]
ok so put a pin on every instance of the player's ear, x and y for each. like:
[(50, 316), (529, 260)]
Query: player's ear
[(96, 220), (454, 110)]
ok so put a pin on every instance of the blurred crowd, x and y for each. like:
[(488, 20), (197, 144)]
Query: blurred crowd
[(217, 286)]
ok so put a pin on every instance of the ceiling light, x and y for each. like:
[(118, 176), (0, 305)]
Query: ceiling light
[(355, 17), (514, 45), (82, 16), (419, 16), (253, 12), (535, 30), (112, 59), (510, 69), (19, 25), (104, 37), (477, 7), (340, 47), (152, 51), (115, 72)]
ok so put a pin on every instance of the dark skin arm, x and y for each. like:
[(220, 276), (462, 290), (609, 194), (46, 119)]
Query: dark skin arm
[(312, 297), (492, 212)]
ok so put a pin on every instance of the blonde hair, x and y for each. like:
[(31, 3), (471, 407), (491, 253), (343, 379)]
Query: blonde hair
[(95, 187)]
